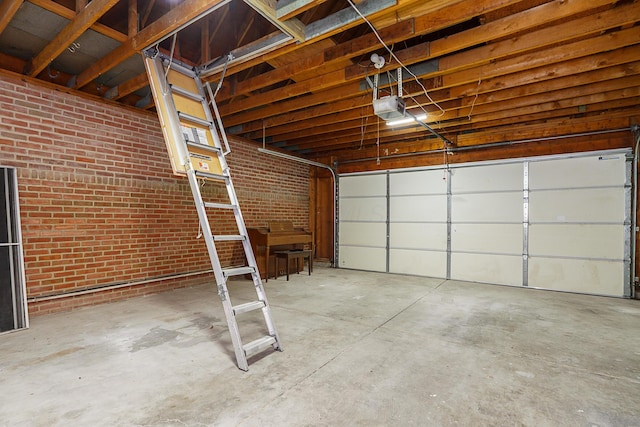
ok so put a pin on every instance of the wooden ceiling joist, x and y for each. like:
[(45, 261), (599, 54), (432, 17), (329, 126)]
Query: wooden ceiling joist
[(267, 8), (286, 9), (471, 38), (128, 87), (8, 8), (60, 10), (84, 20), (176, 18)]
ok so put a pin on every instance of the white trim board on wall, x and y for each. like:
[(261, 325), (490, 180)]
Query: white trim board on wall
[(552, 222)]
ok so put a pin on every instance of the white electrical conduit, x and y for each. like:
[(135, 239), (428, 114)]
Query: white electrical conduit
[(634, 213), (118, 286), (335, 183)]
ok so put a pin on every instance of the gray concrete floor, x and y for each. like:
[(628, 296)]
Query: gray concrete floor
[(360, 349)]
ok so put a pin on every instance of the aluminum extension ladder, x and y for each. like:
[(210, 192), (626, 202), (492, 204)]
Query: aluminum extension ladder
[(194, 143)]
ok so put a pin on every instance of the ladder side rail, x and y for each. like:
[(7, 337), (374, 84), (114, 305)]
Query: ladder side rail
[(214, 105), (251, 260), (221, 280), (224, 134)]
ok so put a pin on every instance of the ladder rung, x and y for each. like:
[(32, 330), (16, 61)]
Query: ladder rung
[(211, 175), (249, 306), (237, 271), (186, 93), (194, 119), (206, 147), (219, 205), (258, 345), (228, 237)]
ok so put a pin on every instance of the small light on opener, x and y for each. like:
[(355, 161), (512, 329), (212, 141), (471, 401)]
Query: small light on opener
[(407, 120)]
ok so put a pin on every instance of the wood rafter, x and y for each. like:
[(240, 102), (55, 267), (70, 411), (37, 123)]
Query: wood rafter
[(70, 14), (174, 19), (267, 8), (85, 19), (8, 8), (286, 9)]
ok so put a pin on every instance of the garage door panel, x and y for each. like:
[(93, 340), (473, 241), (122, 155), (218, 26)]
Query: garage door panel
[(577, 205), (420, 263), (363, 209), (591, 171), (493, 238), (417, 182), (490, 207), (487, 178), (363, 185), (364, 234), (499, 269), (361, 258), (576, 275), (577, 240), (418, 208), (418, 236)]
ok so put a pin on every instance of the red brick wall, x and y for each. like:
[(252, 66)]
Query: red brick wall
[(100, 205)]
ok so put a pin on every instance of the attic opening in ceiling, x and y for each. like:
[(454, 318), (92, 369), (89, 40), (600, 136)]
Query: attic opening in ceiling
[(219, 33)]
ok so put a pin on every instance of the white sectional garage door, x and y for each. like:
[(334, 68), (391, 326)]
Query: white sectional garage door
[(559, 223)]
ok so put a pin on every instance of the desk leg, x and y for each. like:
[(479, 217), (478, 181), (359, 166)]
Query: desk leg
[(287, 268), (266, 254)]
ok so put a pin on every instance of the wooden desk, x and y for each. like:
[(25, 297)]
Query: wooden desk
[(297, 254)]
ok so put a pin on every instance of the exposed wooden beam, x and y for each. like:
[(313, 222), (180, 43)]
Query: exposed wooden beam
[(286, 9), (85, 19), (288, 47), (177, 17), (577, 49), (8, 8), (573, 141), (60, 10), (556, 127), (256, 49), (580, 79), (435, 49), (132, 18), (514, 111), (549, 125), (205, 50), (448, 16), (246, 29), (267, 8), (181, 15), (130, 86), (146, 13), (323, 61)]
